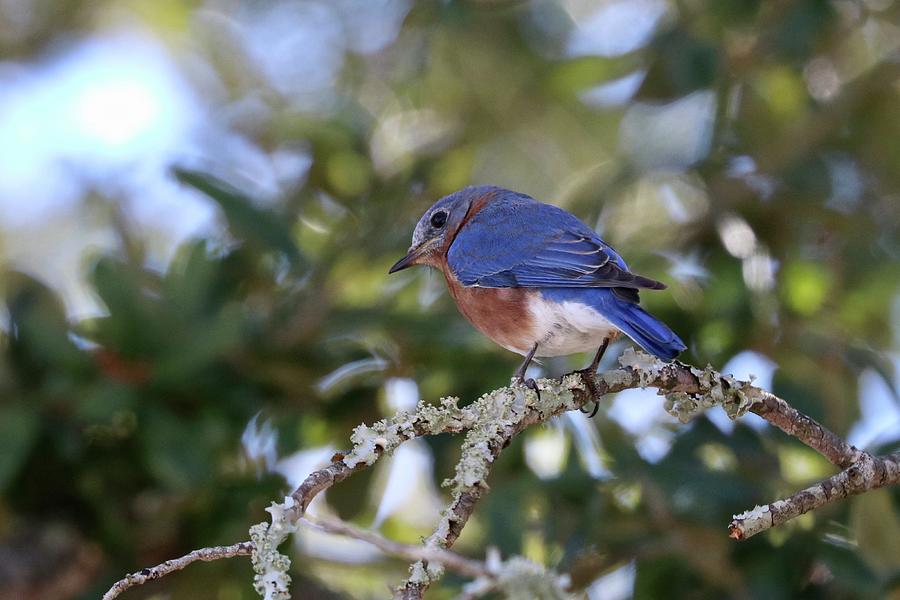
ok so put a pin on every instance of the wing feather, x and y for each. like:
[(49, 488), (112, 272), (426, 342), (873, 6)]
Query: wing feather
[(516, 241)]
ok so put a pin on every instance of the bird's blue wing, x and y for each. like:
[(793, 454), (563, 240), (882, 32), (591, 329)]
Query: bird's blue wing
[(518, 242)]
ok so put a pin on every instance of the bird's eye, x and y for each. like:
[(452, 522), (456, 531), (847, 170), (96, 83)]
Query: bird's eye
[(438, 219)]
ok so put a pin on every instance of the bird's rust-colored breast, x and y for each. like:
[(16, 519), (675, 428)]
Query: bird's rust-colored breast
[(500, 313)]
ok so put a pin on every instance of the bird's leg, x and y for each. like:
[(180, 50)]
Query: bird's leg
[(587, 375), (599, 356), (519, 375)]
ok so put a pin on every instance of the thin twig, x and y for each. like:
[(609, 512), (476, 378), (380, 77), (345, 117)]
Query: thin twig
[(451, 560), (205, 554)]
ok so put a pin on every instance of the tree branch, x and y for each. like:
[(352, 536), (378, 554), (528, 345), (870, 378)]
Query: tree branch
[(491, 422), (794, 423), (867, 474), (205, 554), (688, 390)]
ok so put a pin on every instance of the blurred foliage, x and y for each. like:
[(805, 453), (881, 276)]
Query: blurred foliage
[(121, 434)]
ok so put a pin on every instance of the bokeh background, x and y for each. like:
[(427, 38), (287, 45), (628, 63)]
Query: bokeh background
[(199, 202)]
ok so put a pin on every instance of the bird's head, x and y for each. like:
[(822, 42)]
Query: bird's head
[(438, 226)]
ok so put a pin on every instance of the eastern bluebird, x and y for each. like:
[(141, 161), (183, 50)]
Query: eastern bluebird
[(533, 277)]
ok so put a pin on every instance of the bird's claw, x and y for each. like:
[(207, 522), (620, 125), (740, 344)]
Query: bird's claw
[(587, 376), (593, 412)]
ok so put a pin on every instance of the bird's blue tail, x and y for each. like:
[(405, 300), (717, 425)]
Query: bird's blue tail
[(647, 331)]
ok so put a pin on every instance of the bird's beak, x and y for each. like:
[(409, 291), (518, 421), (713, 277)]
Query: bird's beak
[(412, 257)]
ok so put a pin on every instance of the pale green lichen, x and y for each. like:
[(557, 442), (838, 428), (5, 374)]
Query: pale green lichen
[(684, 406), (572, 381), (754, 514), (495, 411), (734, 396), (445, 417), (365, 450), (421, 574), (647, 367), (519, 578), (417, 574), (384, 436), (271, 580), (616, 378), (558, 396)]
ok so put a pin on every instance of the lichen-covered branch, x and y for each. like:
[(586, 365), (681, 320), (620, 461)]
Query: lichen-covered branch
[(371, 442), (176, 564), (688, 390), (867, 474), (496, 418)]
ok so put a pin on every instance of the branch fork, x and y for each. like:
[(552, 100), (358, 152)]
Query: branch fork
[(490, 423)]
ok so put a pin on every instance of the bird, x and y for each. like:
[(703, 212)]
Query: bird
[(534, 278)]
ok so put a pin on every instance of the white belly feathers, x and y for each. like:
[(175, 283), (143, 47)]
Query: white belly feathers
[(562, 328)]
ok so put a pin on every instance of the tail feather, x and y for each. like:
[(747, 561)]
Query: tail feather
[(647, 331)]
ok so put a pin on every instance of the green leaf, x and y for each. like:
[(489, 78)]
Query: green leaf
[(253, 224), (190, 285), (19, 426), (201, 345), (38, 319), (174, 454)]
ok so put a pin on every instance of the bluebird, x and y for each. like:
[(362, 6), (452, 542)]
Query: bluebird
[(534, 278)]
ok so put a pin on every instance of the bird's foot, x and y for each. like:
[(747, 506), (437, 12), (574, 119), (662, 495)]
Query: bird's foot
[(519, 375), (587, 376), (530, 383)]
